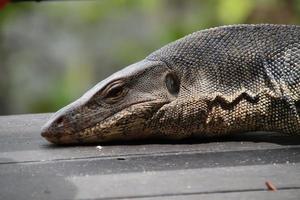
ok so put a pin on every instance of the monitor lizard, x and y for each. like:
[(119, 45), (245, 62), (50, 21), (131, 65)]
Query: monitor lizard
[(212, 82)]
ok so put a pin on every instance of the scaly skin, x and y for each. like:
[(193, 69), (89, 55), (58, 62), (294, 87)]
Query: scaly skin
[(213, 82)]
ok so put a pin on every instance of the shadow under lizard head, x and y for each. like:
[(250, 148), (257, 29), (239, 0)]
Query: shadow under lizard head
[(117, 108)]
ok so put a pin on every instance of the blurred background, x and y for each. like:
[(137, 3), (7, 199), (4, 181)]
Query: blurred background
[(52, 52)]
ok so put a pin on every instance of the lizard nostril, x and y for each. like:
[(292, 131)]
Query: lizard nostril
[(60, 120)]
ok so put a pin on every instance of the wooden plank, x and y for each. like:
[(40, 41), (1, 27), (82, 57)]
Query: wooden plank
[(32, 184), (154, 162), (290, 194), (21, 141), (186, 181), (234, 167)]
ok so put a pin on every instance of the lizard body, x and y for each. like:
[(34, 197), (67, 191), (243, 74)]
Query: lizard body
[(212, 82)]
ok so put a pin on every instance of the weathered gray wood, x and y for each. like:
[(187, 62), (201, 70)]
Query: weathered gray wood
[(20, 140), (265, 195), (234, 167), (186, 181)]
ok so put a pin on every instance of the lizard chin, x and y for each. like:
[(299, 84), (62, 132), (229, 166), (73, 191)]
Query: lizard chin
[(127, 124)]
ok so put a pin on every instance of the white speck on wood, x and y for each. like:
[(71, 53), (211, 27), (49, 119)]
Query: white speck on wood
[(99, 148)]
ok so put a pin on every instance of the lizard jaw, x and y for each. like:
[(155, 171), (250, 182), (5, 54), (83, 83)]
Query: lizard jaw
[(129, 123)]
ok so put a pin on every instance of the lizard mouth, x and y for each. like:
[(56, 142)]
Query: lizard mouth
[(109, 128)]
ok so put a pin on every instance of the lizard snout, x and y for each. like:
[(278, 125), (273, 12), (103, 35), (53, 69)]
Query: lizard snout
[(48, 130), (57, 128)]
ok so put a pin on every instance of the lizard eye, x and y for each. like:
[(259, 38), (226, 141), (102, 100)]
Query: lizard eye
[(172, 83), (115, 92)]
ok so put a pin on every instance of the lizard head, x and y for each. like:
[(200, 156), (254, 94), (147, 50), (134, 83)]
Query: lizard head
[(117, 108)]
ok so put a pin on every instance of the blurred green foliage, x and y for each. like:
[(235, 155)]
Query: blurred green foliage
[(51, 52)]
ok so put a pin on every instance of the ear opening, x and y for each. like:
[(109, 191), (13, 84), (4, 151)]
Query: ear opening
[(172, 83)]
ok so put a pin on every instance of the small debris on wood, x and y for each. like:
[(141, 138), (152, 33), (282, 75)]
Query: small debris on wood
[(99, 148), (271, 186)]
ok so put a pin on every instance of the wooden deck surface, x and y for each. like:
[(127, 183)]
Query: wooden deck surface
[(234, 167)]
